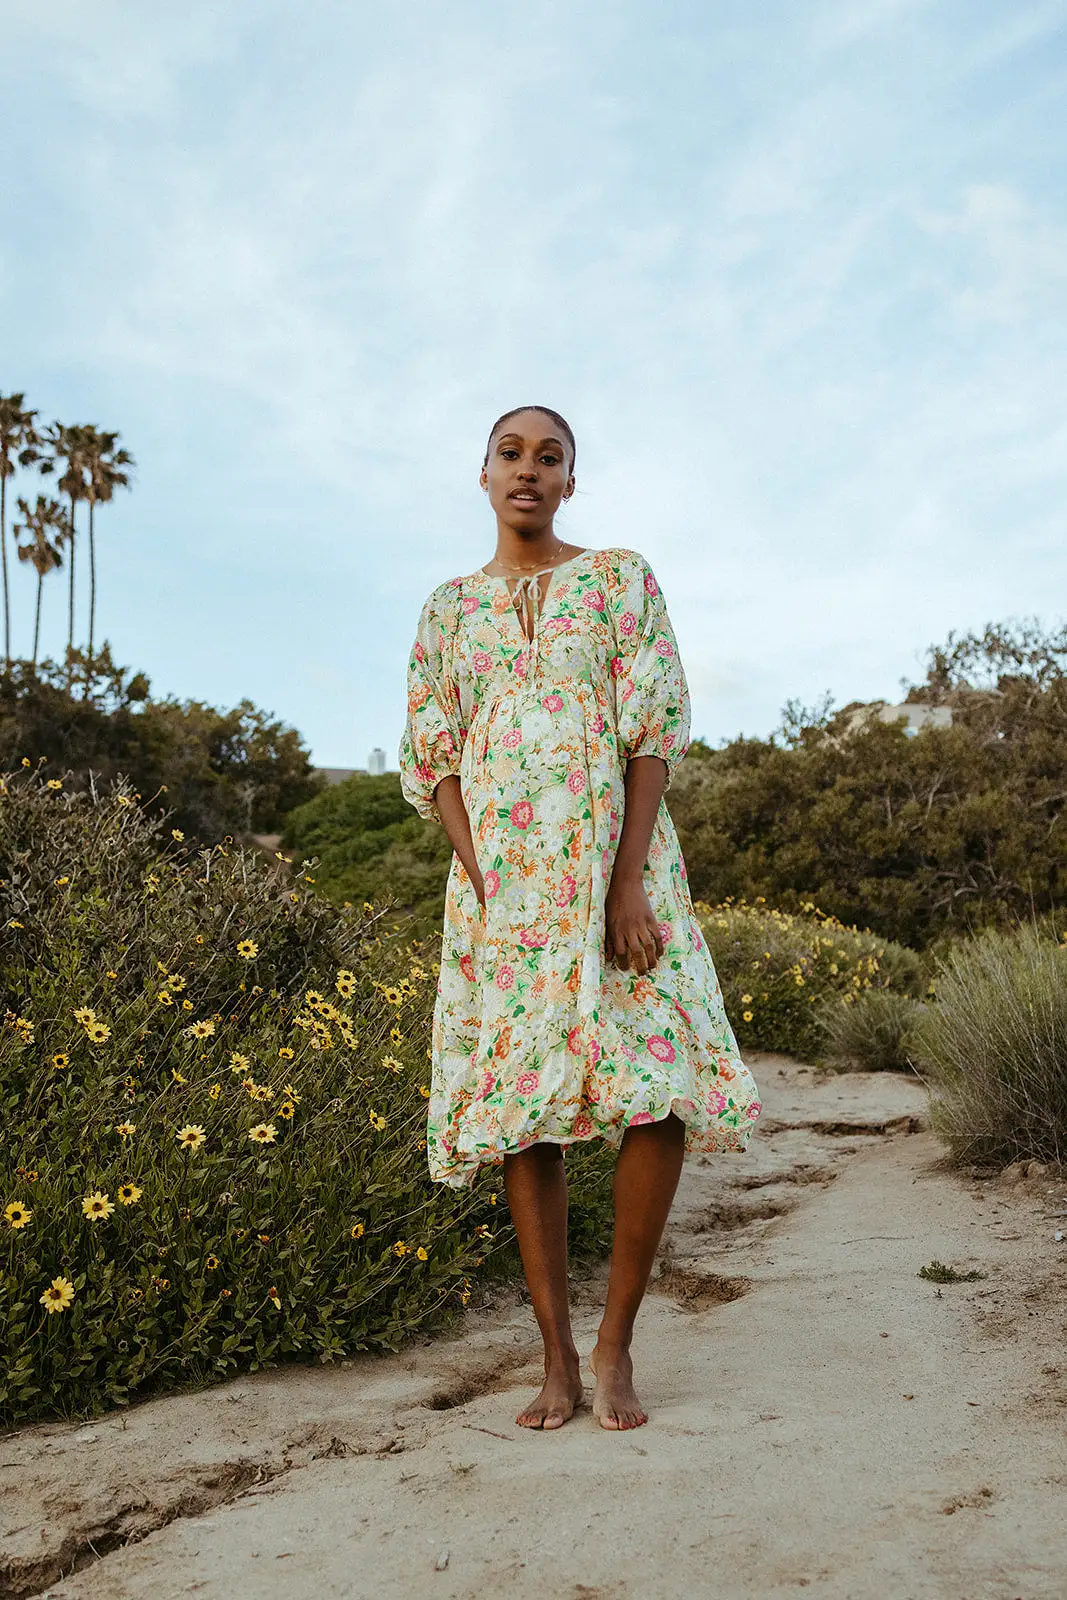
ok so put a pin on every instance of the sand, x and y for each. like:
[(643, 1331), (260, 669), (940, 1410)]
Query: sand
[(822, 1419)]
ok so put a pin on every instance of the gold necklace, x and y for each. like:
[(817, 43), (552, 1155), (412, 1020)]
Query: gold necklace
[(517, 571)]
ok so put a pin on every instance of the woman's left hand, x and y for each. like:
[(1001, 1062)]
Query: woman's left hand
[(632, 939)]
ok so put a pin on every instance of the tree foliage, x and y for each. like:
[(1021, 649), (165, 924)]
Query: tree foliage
[(217, 772), (916, 836)]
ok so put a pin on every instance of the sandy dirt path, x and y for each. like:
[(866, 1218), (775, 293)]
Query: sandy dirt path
[(823, 1420)]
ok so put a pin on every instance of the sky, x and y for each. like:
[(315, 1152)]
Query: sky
[(795, 274)]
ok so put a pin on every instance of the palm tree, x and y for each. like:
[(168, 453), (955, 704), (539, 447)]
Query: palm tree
[(70, 445), (105, 463), (47, 518), (19, 442)]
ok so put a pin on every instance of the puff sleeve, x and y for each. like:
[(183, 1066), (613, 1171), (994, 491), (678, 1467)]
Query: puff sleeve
[(651, 693), (432, 742)]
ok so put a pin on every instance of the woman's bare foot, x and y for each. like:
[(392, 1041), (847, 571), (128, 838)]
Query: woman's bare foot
[(615, 1403), (560, 1394)]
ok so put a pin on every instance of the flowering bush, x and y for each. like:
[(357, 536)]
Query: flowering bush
[(214, 1092), (781, 971)]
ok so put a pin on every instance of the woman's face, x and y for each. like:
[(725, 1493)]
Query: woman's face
[(528, 472)]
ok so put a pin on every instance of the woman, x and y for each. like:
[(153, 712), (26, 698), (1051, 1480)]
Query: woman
[(548, 710)]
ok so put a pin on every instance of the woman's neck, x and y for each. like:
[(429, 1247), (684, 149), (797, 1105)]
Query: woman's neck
[(528, 551)]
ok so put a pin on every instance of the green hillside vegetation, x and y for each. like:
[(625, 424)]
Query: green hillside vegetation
[(369, 845)]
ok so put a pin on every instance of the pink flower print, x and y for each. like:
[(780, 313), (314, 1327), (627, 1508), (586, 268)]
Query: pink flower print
[(593, 599), (521, 813), (487, 1085), (512, 738), (420, 653), (594, 1050), (660, 1047), (627, 622), (574, 1040), (605, 862), (651, 586), (598, 724), (667, 742), (629, 1052), (520, 664), (664, 647), (617, 667), (576, 781), (698, 938), (591, 1091), (534, 938), (527, 1082), (681, 865), (754, 1110), (448, 744), (682, 1012), (466, 966), (640, 1117), (716, 1100), (505, 976), (666, 932), (614, 819), (469, 604), (583, 1126), (481, 661), (491, 880), (567, 891), (627, 690), (553, 702)]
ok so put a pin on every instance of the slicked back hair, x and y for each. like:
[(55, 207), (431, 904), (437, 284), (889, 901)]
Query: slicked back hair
[(561, 422)]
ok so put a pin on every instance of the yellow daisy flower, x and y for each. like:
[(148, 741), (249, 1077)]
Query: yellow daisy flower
[(357, 1230), (192, 1136), (391, 1064), (175, 983), (239, 1063), (58, 1295), (214, 1092), (60, 1061), (263, 1133), (248, 949), (97, 1207), (211, 1263), (422, 1254), (286, 1110), (400, 1248), (291, 1094), (98, 1032), (376, 1122), (746, 1016), (129, 1193), (176, 833), (202, 1030), (55, 783), (345, 984), (126, 1130), (285, 1053), (16, 1215), (746, 999), (85, 1015)]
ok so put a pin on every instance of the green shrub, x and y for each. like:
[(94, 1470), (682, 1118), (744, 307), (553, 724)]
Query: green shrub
[(370, 845), (212, 1117), (875, 1033), (781, 971), (995, 1047)]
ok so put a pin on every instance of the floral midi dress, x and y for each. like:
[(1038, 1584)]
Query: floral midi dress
[(535, 1035)]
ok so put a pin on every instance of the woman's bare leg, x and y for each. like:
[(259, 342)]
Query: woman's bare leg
[(646, 1176), (537, 1197)]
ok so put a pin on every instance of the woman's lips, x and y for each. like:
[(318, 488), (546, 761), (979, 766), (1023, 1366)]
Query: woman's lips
[(525, 499)]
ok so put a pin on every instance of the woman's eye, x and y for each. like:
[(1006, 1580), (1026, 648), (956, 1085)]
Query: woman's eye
[(550, 459)]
